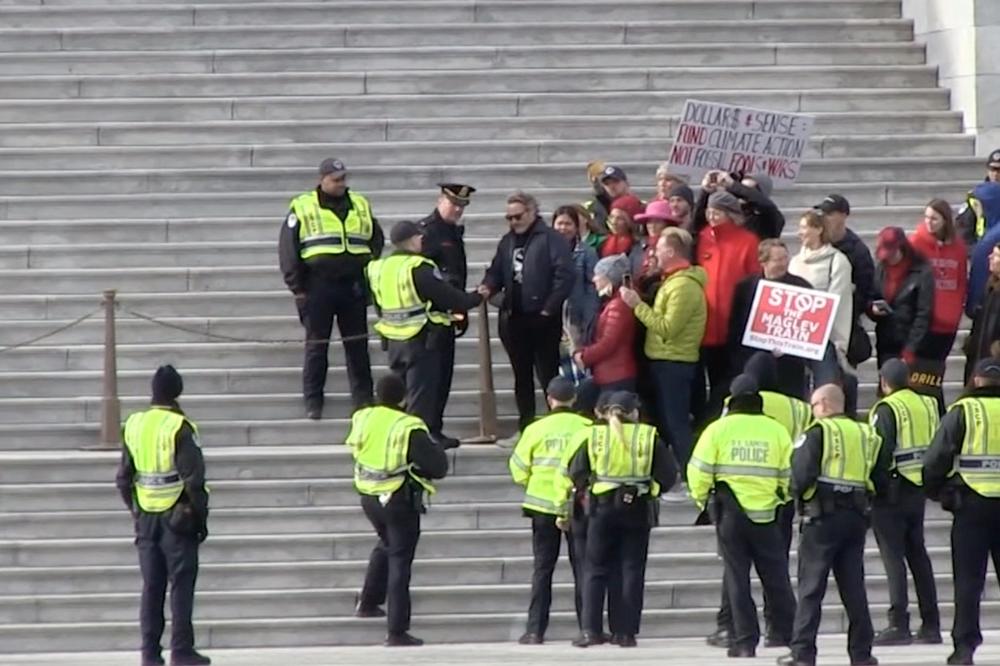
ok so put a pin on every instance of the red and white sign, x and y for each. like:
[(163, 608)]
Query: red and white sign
[(791, 320), (738, 139)]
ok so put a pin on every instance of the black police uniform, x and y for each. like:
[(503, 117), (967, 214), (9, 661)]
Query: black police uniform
[(833, 542), (618, 538), (333, 286), (975, 530), (445, 246), (419, 360), (898, 521), (168, 553), (397, 524)]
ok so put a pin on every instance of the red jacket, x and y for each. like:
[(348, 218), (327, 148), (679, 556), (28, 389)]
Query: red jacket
[(615, 244), (611, 357), (728, 253), (951, 277)]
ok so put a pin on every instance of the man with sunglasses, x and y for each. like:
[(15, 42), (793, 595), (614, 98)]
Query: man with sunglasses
[(444, 244), (533, 270), (329, 236)]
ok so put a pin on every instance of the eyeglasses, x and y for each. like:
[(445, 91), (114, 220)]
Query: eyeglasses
[(516, 216)]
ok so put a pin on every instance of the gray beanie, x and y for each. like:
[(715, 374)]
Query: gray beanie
[(614, 268), (764, 183), (727, 203)]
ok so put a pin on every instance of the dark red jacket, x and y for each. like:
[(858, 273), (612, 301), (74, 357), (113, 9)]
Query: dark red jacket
[(611, 357), (951, 277), (728, 253)]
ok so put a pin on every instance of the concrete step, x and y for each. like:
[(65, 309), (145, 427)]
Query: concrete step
[(668, 101), (427, 572), (334, 602), (156, 204), (321, 631), (469, 81), (351, 13), (482, 228), (271, 132), (448, 57), (387, 187), (544, 151), (319, 34)]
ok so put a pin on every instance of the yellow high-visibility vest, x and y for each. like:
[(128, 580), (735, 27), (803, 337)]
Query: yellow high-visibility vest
[(151, 439), (380, 441), (916, 421), (322, 232), (850, 450), (403, 314), (979, 462), (615, 463), (537, 459)]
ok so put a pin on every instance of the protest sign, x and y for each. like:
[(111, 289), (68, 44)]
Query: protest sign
[(738, 139), (791, 320)]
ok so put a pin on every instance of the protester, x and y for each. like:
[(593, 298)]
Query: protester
[(728, 253), (827, 270), (666, 181), (614, 180), (761, 215), (580, 311), (905, 282), (986, 326), (622, 225), (836, 210), (674, 325), (533, 271), (773, 256), (599, 204), (972, 221), (658, 216), (937, 240), (681, 200), (611, 357)]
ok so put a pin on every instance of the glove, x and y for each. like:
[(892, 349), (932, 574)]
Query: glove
[(461, 326)]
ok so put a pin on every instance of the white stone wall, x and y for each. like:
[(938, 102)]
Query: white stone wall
[(963, 40)]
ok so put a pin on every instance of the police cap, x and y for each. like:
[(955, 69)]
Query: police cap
[(458, 194)]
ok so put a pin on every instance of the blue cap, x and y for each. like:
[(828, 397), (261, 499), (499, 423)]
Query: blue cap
[(613, 173)]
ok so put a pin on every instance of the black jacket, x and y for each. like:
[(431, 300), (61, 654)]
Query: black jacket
[(791, 369), (912, 306), (985, 327), (939, 459), (548, 271), (862, 271), (431, 286), (338, 268), (190, 467), (807, 457), (445, 246)]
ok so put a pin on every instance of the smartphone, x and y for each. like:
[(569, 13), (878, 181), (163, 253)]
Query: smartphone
[(882, 307)]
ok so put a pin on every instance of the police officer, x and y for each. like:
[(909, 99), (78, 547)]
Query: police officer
[(795, 415), (329, 236), (394, 463), (625, 466), (906, 422), (444, 245), (836, 467), (962, 470), (162, 481), (534, 464), (739, 472), (414, 303)]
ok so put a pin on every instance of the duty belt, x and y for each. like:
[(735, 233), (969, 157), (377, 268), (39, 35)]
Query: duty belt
[(369, 474), (909, 456), (151, 480), (403, 315)]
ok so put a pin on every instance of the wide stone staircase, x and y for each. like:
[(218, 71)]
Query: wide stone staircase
[(152, 148)]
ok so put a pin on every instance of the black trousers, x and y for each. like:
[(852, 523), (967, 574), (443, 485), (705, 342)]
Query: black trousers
[(347, 302), (717, 364), (617, 542), (388, 577), (165, 557), (532, 343), (578, 560), (745, 543), (446, 373), (724, 618), (899, 531), (934, 351), (975, 537), (835, 542), (545, 542), (419, 362)]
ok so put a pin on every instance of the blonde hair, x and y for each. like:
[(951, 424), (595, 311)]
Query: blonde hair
[(815, 220), (768, 244), (679, 239)]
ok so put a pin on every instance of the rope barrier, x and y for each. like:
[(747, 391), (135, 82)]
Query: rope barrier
[(49, 334)]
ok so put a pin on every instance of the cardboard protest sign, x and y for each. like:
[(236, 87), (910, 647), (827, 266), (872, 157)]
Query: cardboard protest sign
[(791, 320), (738, 139)]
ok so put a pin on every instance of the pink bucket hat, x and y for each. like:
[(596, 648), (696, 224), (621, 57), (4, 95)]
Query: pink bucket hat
[(658, 210)]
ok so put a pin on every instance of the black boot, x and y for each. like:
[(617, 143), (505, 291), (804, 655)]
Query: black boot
[(530, 638), (192, 658), (152, 659), (893, 635), (719, 638), (402, 640), (586, 639), (741, 652), (929, 634), (962, 656)]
